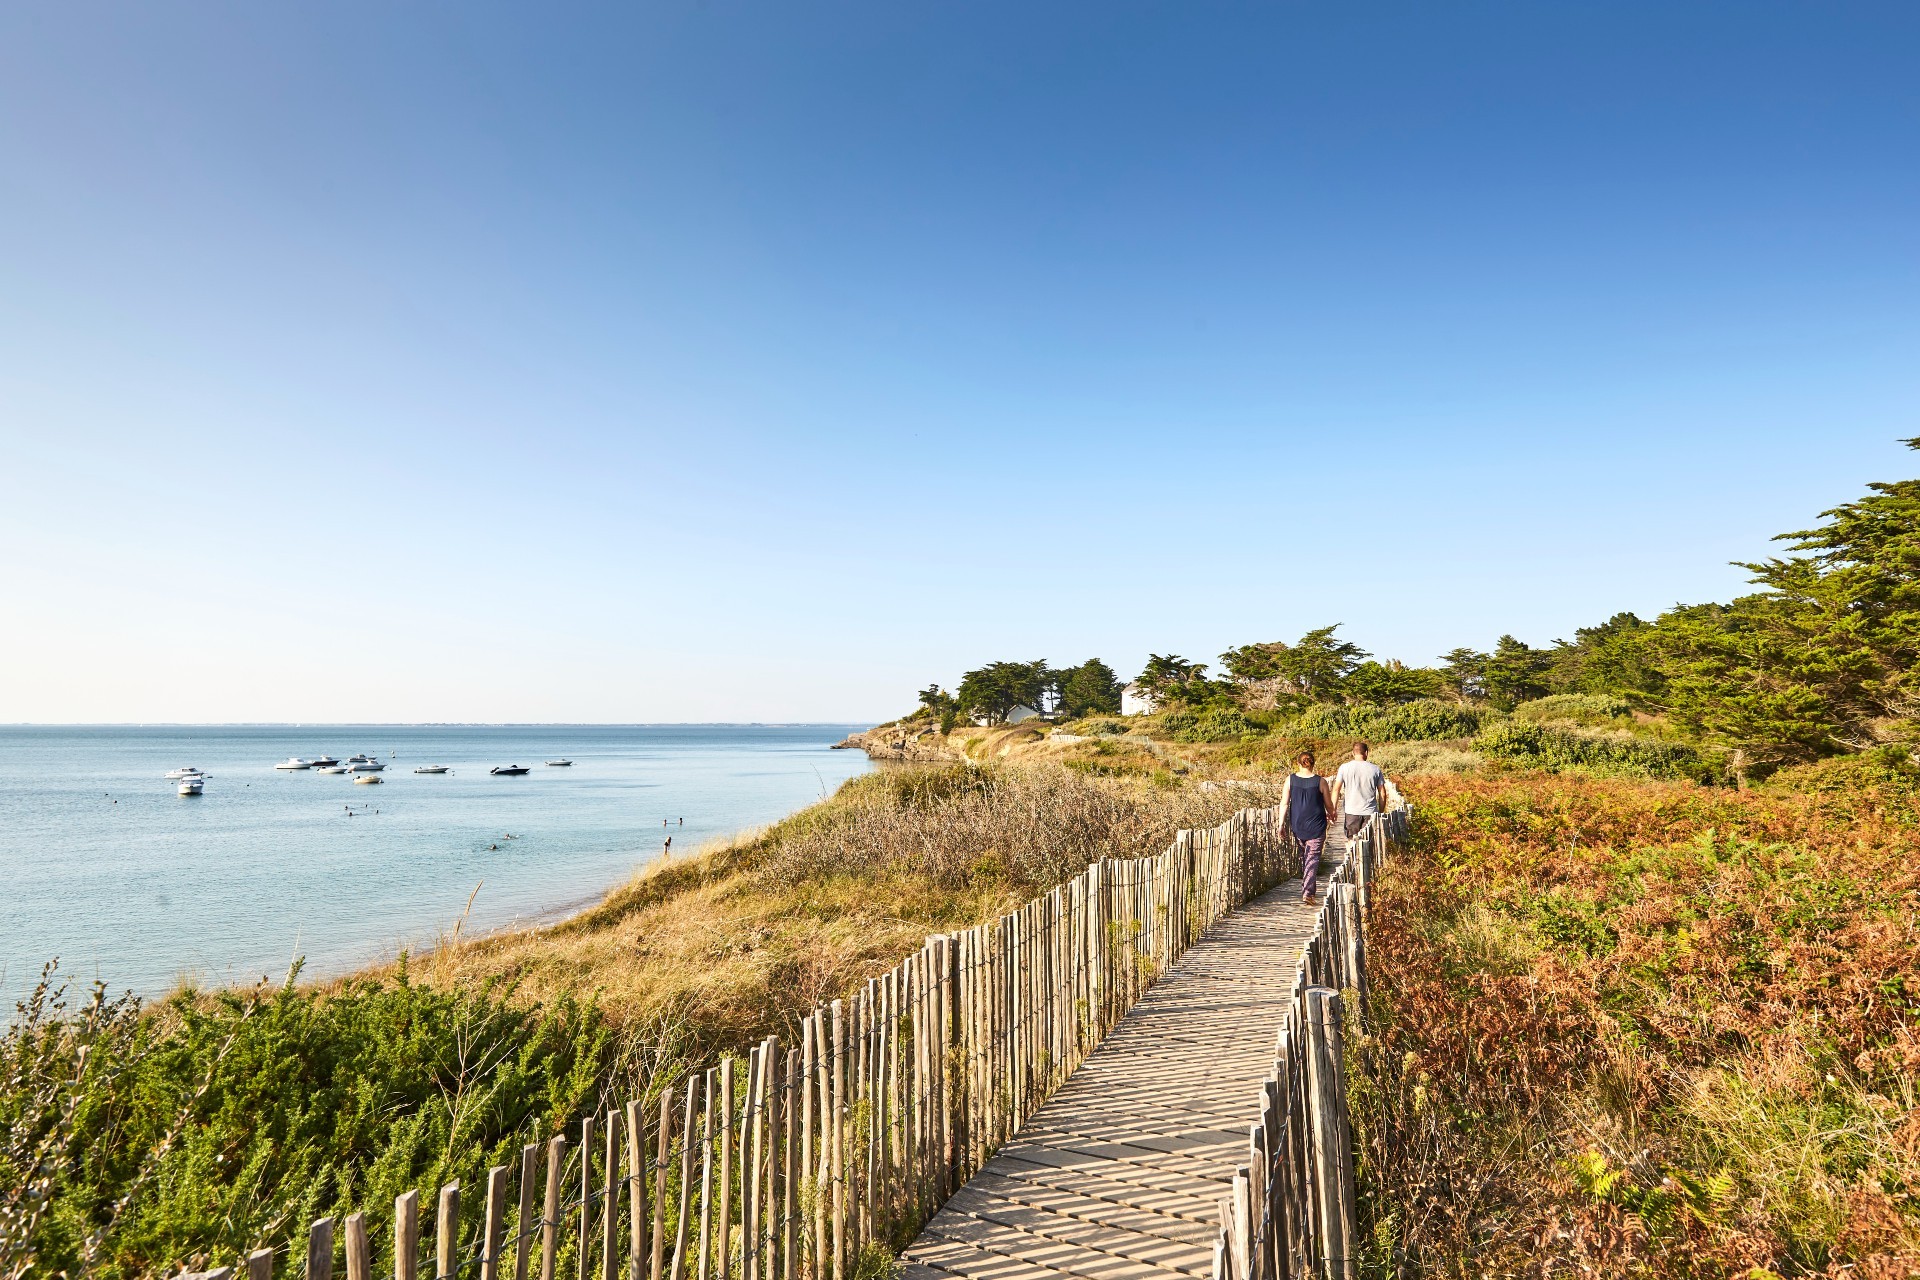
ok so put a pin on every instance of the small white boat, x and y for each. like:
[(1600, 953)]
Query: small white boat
[(366, 766), (188, 772), (508, 770), (431, 768), (358, 759), (332, 768), (294, 762), (192, 785), (559, 764), (322, 762), (367, 779)]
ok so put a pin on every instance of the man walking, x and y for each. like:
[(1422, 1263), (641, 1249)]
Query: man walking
[(1358, 790)]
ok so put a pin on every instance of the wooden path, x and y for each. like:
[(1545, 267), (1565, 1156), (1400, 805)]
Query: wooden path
[(1119, 1176)]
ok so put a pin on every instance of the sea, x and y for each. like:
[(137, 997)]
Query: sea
[(104, 867)]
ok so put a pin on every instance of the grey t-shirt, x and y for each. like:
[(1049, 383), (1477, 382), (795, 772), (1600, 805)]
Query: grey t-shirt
[(1361, 784)]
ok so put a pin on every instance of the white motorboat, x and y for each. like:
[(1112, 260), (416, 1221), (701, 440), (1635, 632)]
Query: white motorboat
[(322, 762), (366, 779), (332, 768), (358, 759), (188, 772), (559, 764), (294, 762), (431, 768), (192, 785), (508, 770), (365, 766)]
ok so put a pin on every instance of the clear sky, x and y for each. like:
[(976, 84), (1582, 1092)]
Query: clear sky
[(710, 360)]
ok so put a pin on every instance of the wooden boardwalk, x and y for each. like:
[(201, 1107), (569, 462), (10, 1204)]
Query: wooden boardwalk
[(1119, 1176)]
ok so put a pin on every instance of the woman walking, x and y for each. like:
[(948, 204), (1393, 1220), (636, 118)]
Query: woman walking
[(1309, 801)]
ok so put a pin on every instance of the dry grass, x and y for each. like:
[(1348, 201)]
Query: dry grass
[(737, 940)]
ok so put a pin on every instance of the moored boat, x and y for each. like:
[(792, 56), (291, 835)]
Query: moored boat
[(367, 779), (508, 770), (366, 766), (323, 762), (431, 768), (187, 772), (332, 768), (294, 762), (559, 764), (192, 785)]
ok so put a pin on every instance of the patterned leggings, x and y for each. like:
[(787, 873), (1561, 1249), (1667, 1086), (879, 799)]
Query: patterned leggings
[(1310, 865)]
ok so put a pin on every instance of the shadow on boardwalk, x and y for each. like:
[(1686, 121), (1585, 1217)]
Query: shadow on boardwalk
[(1121, 1173)]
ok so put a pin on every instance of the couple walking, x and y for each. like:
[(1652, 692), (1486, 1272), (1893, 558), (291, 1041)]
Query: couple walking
[(1357, 793)]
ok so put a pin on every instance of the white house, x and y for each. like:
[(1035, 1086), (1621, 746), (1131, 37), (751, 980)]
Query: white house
[(1135, 701)]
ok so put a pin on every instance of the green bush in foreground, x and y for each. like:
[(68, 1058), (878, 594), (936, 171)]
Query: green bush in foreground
[(133, 1138)]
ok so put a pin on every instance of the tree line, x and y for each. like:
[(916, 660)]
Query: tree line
[(1818, 661)]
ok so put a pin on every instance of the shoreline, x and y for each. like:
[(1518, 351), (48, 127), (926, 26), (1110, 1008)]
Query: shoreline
[(125, 883)]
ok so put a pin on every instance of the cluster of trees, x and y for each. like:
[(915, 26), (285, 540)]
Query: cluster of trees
[(1819, 661), (991, 693)]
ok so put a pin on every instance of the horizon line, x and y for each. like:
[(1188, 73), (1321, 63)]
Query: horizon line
[(424, 724)]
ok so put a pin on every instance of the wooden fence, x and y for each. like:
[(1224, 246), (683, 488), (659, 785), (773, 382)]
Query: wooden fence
[(793, 1162), (1290, 1214)]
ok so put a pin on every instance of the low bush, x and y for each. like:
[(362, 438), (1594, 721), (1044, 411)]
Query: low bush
[(1591, 710), (1406, 758), (1424, 720), (1215, 724), (1553, 748)]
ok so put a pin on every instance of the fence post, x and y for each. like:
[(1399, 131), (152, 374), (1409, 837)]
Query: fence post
[(1332, 1142)]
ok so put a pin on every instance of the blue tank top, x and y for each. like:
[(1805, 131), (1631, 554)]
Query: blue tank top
[(1306, 808)]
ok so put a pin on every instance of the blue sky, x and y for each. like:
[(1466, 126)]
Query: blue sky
[(721, 361)]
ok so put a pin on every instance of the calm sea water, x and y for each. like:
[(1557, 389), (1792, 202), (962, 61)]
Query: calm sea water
[(104, 866)]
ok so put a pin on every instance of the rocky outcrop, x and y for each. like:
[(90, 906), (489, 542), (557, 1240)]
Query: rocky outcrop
[(920, 742)]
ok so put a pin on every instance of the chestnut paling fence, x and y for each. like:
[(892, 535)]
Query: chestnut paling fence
[(798, 1159)]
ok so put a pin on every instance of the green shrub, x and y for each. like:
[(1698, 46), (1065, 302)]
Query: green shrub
[(218, 1122), (1594, 710), (1216, 724), (1423, 720), (1606, 754)]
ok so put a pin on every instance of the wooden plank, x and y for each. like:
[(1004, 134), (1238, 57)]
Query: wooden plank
[(446, 1230), (550, 1212), (493, 1225), (359, 1254), (406, 1236), (320, 1250), (663, 1148), (610, 1206), (523, 1227)]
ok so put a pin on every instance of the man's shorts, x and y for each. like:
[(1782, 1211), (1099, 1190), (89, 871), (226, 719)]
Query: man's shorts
[(1356, 823)]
